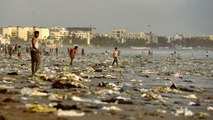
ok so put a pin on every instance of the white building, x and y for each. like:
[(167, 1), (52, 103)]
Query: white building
[(23, 32), (82, 32), (58, 33)]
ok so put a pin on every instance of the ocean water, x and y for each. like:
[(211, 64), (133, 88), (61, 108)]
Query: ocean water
[(156, 52)]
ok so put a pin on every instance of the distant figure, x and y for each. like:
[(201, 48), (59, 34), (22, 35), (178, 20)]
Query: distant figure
[(174, 52), (16, 48), (13, 49), (10, 50), (72, 53), (56, 51), (115, 56), (207, 53), (19, 52), (35, 53), (108, 52), (5, 50), (2, 49), (82, 52), (27, 49), (150, 53)]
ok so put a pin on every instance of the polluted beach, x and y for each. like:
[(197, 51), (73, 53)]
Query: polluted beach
[(106, 60), (160, 86)]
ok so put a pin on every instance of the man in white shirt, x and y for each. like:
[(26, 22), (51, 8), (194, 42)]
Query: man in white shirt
[(35, 53)]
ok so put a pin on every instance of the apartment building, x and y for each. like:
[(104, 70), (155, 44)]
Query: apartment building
[(25, 32), (58, 33), (81, 32)]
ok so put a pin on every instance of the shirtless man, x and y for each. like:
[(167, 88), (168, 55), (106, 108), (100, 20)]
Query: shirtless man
[(35, 53), (115, 56)]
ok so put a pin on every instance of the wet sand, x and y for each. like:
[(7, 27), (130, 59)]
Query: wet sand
[(140, 88)]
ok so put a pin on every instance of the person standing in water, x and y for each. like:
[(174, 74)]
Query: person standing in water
[(72, 53), (35, 53), (115, 56)]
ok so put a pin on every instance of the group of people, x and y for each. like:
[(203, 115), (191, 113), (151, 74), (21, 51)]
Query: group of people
[(11, 50), (35, 54)]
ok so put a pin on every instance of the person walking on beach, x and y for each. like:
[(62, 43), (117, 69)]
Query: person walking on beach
[(10, 50), (19, 52), (72, 53), (82, 52), (115, 56), (35, 53), (56, 51)]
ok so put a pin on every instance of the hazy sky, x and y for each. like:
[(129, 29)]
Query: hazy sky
[(166, 17)]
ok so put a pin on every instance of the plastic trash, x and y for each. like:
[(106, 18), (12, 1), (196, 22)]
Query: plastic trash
[(210, 108), (66, 107), (12, 73), (111, 108), (184, 112), (9, 100), (194, 104), (122, 90), (70, 113), (202, 115), (192, 96), (75, 98), (118, 100), (67, 84), (32, 92), (40, 108), (161, 111)]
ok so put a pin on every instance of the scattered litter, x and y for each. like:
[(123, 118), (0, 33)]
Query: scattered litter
[(210, 108), (111, 108), (9, 100), (161, 111), (194, 104), (75, 98), (202, 115), (184, 112), (192, 96), (12, 73), (32, 92), (40, 108), (70, 113)]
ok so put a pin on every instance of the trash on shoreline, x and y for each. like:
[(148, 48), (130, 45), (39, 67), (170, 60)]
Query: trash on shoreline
[(111, 108), (69, 113), (40, 108), (32, 92), (210, 108), (60, 84), (191, 96), (184, 112), (12, 73)]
